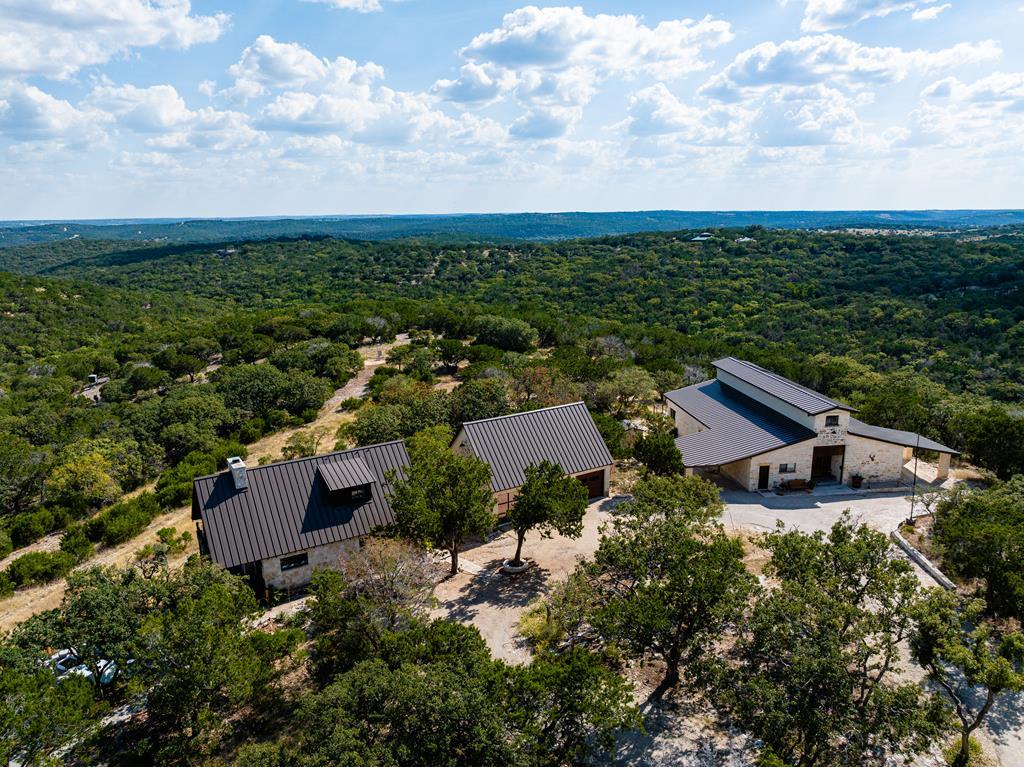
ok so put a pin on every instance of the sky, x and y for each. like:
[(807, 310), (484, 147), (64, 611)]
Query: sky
[(150, 108)]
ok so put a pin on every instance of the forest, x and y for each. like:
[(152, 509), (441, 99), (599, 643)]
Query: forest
[(200, 350)]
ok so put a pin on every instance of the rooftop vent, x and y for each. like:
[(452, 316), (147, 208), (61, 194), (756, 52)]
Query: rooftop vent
[(237, 467)]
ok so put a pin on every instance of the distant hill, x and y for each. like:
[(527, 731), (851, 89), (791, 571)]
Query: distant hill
[(498, 226)]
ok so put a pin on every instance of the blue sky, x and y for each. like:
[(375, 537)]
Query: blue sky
[(119, 108)]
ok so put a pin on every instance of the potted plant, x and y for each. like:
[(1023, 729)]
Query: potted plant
[(856, 480)]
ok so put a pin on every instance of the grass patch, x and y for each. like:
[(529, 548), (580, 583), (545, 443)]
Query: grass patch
[(976, 758)]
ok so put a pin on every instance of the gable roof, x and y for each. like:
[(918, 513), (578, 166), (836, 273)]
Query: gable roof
[(564, 434), (800, 397), (285, 509), (738, 426), (897, 437), (345, 472)]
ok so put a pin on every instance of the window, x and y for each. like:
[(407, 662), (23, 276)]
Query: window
[(831, 420), (787, 468), (360, 494), (295, 560), (672, 413)]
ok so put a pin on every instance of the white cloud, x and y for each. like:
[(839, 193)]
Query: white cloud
[(57, 38), (823, 15), (474, 85), (161, 111), (656, 111), (268, 64), (29, 114), (1003, 90), (360, 6), (544, 123), (930, 13), (560, 38), (834, 59)]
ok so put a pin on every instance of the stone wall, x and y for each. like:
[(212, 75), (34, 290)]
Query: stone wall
[(799, 454), (875, 461), (685, 423), (739, 472), (319, 557)]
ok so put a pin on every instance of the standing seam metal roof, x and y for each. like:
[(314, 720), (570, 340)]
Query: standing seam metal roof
[(738, 426), (286, 509), (345, 473), (564, 434), (807, 400), (897, 437)]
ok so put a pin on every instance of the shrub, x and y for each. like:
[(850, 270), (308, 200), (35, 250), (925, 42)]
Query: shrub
[(613, 433), (659, 454), (123, 521), (6, 547), (350, 404), (76, 543), (30, 527), (38, 567)]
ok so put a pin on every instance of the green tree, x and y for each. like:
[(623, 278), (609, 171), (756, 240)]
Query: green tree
[(659, 454), (819, 651), (568, 708), (39, 715), (198, 659), (625, 391), (668, 579), (83, 484), (451, 351), (549, 502), (445, 497), (477, 399), (981, 534), (962, 653), (505, 333), (21, 471)]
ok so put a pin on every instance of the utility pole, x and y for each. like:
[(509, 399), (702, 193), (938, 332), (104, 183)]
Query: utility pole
[(913, 492)]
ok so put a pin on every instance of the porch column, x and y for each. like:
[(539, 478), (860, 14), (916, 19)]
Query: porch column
[(943, 471), (688, 471)]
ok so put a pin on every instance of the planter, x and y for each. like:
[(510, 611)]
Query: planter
[(856, 481), (510, 569)]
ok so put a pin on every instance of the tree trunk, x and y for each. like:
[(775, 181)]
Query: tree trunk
[(672, 668), (454, 551), (521, 536), (965, 749)]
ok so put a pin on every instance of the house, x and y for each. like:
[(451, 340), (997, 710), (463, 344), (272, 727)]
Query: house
[(761, 430), (564, 434), (275, 523)]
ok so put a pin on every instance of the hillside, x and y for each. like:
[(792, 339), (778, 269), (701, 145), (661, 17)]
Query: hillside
[(951, 309), (495, 226)]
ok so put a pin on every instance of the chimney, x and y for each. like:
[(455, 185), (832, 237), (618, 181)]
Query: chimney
[(237, 468)]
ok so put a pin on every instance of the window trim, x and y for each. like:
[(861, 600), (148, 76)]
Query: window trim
[(294, 561), (831, 420)]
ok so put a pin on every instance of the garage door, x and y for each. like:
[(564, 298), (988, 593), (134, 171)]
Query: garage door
[(594, 482)]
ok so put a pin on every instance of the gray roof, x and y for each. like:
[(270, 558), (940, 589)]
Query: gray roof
[(798, 396), (737, 426), (286, 510), (897, 437), (345, 472), (564, 434)]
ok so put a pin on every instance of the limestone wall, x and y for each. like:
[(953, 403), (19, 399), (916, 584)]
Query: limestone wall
[(799, 454), (319, 557), (685, 423), (875, 461)]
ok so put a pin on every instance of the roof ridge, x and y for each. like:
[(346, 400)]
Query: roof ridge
[(525, 412), (274, 464), (778, 377)]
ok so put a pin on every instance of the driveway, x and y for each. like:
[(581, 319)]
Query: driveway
[(493, 602)]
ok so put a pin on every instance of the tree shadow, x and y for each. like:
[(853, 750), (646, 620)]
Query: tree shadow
[(498, 590)]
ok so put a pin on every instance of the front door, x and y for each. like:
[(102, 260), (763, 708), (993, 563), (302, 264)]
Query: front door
[(762, 477)]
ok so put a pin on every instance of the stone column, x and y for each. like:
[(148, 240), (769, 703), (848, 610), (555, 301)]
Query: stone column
[(943, 471)]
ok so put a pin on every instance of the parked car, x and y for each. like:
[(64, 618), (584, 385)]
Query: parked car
[(66, 663)]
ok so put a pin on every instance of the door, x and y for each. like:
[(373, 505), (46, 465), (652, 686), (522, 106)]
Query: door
[(594, 482), (762, 477)]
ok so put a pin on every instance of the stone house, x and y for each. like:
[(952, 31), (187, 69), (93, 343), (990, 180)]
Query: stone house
[(563, 434), (278, 522), (762, 430)]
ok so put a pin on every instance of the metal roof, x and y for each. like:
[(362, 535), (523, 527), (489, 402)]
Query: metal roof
[(564, 434), (737, 426), (807, 400), (343, 473), (285, 509), (897, 437)]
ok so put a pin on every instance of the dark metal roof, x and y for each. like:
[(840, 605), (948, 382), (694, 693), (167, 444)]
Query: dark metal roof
[(897, 437), (737, 426), (564, 434), (807, 400), (285, 509), (345, 472)]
